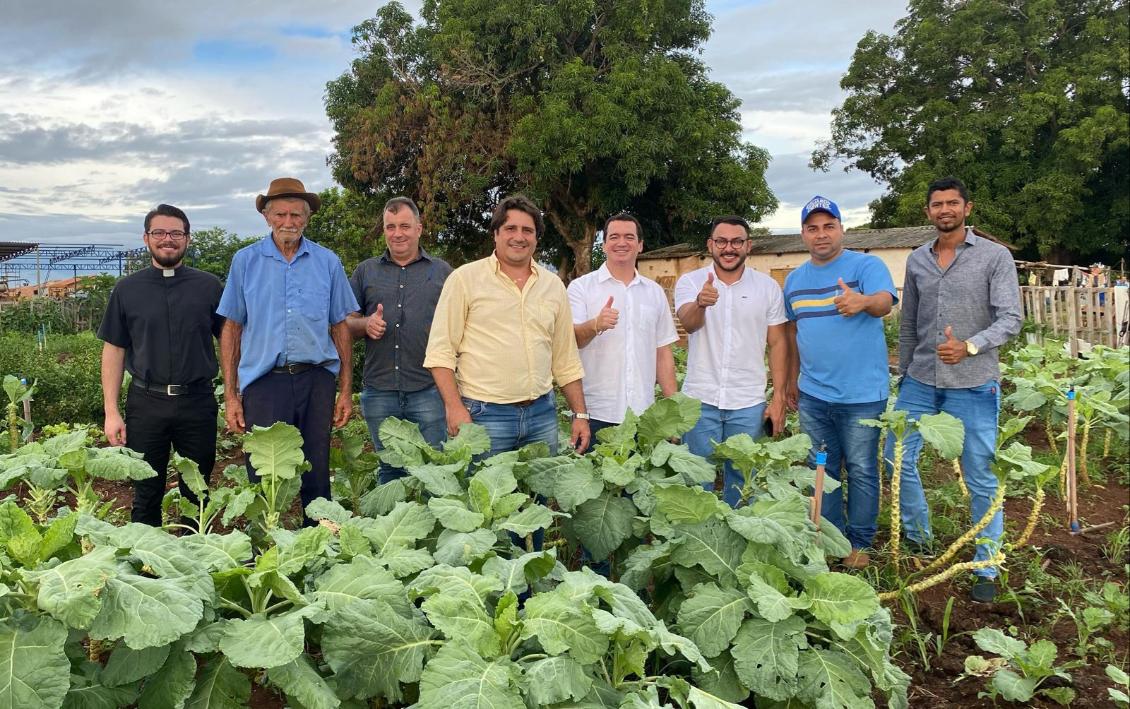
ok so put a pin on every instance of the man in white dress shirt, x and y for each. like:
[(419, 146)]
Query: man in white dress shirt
[(624, 330), (731, 313)]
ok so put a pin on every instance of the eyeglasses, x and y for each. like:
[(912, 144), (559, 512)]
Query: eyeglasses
[(736, 243), (162, 233)]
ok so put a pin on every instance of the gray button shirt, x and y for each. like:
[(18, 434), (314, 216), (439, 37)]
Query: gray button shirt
[(409, 295), (978, 295)]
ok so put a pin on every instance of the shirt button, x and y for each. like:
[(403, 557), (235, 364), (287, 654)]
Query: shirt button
[(398, 324), (401, 285)]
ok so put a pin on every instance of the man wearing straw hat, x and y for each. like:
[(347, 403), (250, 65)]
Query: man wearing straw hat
[(961, 302), (286, 338), (835, 303)]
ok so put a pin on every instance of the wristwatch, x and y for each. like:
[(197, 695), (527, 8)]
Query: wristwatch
[(971, 349), (583, 417)]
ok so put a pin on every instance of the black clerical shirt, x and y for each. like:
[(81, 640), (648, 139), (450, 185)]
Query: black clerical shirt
[(166, 324)]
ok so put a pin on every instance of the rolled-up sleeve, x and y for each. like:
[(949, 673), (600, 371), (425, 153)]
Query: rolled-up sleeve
[(448, 324), (1004, 303), (566, 359)]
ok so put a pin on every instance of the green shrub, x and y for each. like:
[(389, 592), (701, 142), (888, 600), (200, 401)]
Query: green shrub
[(67, 373)]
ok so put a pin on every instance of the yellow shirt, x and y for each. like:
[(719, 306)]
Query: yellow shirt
[(505, 344)]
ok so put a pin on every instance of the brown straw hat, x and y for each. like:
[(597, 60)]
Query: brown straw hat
[(288, 187)]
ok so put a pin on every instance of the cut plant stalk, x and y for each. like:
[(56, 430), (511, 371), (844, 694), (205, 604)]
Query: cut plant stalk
[(996, 560), (960, 478), (818, 487), (896, 510), (971, 534)]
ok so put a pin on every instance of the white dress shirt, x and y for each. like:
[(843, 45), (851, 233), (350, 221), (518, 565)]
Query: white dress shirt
[(620, 363), (726, 356)]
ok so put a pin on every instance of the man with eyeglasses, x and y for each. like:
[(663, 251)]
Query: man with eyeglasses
[(286, 339), (835, 302), (159, 324), (624, 330), (732, 313)]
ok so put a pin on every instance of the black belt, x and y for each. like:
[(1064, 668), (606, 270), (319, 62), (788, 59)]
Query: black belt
[(295, 368), (174, 389)]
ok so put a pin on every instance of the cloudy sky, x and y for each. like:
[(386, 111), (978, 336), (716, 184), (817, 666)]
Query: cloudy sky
[(108, 108)]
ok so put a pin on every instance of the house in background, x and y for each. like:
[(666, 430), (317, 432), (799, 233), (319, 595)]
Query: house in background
[(777, 255)]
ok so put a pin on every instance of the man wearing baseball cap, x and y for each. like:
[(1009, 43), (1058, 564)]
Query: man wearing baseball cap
[(838, 375), (286, 338)]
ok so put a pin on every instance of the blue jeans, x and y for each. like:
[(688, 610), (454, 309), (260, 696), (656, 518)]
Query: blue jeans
[(423, 408), (716, 425), (511, 426), (977, 409), (856, 447)]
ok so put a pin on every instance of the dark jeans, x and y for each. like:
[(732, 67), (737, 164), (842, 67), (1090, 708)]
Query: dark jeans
[(154, 423), (305, 401), (423, 408)]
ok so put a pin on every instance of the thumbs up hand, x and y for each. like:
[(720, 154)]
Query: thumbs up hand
[(708, 296), (607, 318), (375, 326), (952, 350), (849, 302)]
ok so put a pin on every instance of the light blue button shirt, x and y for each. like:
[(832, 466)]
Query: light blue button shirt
[(286, 309)]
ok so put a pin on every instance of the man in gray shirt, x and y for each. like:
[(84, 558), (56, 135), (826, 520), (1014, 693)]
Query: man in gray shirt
[(960, 303), (398, 291)]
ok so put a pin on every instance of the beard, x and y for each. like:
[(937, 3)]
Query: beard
[(738, 263), (167, 260)]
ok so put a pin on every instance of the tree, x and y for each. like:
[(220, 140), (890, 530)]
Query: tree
[(1027, 101), (588, 106), (212, 250), (348, 223)]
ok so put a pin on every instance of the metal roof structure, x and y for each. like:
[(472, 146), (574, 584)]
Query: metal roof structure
[(42, 262)]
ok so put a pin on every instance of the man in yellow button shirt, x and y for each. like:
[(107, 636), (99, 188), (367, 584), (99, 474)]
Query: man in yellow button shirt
[(502, 334)]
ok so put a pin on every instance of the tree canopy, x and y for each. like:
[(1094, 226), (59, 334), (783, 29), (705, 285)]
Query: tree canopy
[(588, 106), (1028, 102)]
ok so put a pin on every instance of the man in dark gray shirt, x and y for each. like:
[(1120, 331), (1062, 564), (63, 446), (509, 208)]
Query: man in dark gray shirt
[(398, 291), (960, 303)]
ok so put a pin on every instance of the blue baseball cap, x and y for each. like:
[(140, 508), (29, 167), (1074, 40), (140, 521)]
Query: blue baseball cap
[(820, 204)]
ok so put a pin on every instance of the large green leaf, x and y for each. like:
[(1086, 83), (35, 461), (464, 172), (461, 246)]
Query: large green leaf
[(471, 440), (373, 650), (407, 523), (455, 580), (689, 505), (219, 552), (128, 665), (462, 548), (276, 451), (561, 626), (359, 580), (453, 514), (841, 598), (994, 641), (220, 686), (171, 685), (489, 487), (694, 468), (457, 678), (439, 480), (829, 678), (515, 574), (704, 700), (568, 479), (602, 524), (668, 418), (712, 545), (146, 612), (116, 463), (34, 670), (72, 590), (266, 641), (88, 692), (300, 680), (527, 520), (463, 618), (1014, 688), (190, 475), (767, 655), (943, 431), (383, 498), (711, 617), (556, 679), (774, 602), (723, 681)]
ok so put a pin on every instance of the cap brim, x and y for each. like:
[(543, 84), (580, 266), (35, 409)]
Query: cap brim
[(310, 198)]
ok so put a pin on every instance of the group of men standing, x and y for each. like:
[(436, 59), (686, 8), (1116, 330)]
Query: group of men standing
[(486, 342)]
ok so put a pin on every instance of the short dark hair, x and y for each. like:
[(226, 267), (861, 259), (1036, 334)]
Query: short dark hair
[(394, 205), (520, 203), (167, 210), (624, 217), (947, 183), (729, 219)]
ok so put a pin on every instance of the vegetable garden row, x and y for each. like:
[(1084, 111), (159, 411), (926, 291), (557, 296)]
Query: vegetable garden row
[(429, 591)]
